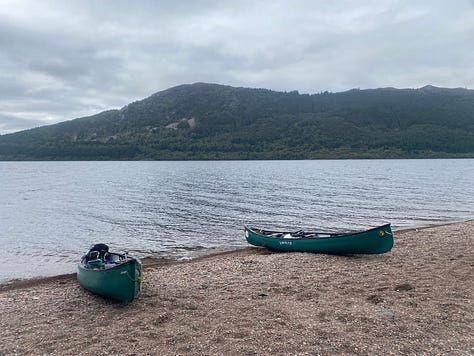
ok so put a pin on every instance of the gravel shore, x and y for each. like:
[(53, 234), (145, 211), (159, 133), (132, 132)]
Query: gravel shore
[(416, 299)]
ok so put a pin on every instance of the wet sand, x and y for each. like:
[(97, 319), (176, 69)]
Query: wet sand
[(416, 299)]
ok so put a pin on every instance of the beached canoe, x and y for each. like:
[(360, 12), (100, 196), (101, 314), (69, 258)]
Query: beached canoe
[(113, 275), (376, 240)]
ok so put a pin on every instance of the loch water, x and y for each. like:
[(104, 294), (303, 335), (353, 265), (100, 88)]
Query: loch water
[(51, 212)]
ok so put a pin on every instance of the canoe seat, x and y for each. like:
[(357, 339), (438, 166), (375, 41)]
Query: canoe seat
[(94, 264)]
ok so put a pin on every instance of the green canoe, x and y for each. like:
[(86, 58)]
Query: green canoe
[(376, 240), (109, 274)]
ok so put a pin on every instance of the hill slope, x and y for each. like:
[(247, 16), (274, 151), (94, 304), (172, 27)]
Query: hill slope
[(209, 121)]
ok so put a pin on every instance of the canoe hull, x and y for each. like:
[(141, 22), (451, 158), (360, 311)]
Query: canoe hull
[(121, 282), (373, 241)]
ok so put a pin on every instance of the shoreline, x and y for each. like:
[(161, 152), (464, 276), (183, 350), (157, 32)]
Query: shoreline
[(161, 261), (416, 299)]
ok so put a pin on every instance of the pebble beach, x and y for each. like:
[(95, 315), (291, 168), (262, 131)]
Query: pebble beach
[(416, 299)]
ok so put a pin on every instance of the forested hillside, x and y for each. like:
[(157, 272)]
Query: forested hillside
[(209, 121)]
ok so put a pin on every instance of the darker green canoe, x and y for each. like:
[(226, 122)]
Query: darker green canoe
[(109, 274), (376, 240)]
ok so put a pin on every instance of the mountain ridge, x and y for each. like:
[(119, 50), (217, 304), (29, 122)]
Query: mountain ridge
[(213, 121)]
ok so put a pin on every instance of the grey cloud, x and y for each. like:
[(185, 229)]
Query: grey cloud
[(64, 59), (10, 123)]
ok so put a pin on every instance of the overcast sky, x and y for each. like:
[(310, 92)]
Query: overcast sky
[(65, 59)]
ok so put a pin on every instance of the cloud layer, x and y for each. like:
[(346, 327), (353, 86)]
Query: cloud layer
[(69, 58)]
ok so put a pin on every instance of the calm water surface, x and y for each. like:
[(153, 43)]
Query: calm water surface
[(50, 212)]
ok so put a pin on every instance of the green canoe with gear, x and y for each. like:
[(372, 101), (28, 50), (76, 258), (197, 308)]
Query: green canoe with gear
[(373, 241), (112, 275)]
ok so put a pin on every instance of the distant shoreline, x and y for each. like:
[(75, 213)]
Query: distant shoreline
[(335, 158)]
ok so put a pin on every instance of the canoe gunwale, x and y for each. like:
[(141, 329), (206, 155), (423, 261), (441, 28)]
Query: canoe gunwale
[(130, 260), (331, 235)]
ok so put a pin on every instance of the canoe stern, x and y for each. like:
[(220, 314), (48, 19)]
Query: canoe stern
[(122, 282)]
